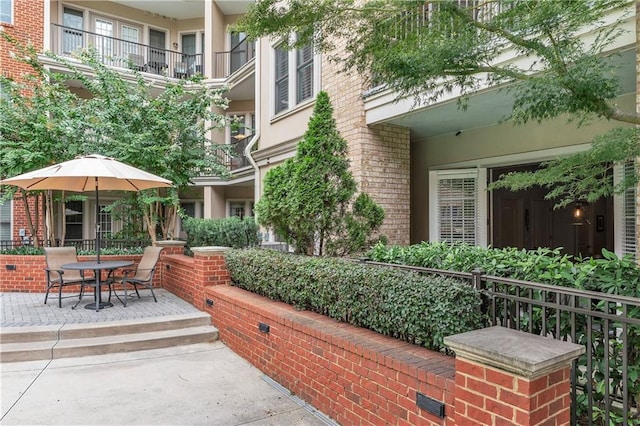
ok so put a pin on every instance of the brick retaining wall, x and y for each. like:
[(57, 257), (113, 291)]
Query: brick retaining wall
[(354, 375)]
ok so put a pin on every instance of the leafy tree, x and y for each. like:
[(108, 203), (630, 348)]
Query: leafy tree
[(163, 131), (425, 49), (307, 199)]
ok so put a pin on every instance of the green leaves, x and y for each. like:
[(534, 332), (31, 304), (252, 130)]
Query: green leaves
[(306, 199), (418, 309)]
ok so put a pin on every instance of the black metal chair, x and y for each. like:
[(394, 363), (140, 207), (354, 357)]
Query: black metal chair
[(142, 275), (57, 277)]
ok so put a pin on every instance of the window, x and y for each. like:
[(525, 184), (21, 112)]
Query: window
[(625, 212), (293, 77), (73, 220), (72, 33), (6, 11), (104, 39), (105, 221), (304, 73), (236, 209), (5, 220), (457, 203), (131, 37), (242, 50), (282, 80)]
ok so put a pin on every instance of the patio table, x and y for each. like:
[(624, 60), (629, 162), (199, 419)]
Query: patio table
[(97, 268)]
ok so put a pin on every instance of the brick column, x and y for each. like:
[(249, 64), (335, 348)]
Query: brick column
[(209, 269), (507, 377)]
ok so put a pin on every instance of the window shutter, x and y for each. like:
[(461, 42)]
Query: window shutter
[(5, 220), (304, 58), (281, 80), (625, 213), (458, 206)]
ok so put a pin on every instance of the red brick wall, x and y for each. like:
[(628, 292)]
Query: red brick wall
[(27, 28), (29, 275), (354, 375), (487, 396), (177, 276)]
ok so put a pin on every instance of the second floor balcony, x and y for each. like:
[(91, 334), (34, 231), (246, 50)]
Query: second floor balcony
[(146, 58)]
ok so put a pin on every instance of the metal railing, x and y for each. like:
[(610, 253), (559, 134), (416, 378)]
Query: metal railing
[(80, 245), (127, 54), (235, 159), (605, 380), (226, 63)]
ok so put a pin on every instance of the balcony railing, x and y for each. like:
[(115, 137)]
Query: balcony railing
[(127, 54), (236, 160), (226, 63)]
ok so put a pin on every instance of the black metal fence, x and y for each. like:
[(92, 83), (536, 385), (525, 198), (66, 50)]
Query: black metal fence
[(606, 379), (80, 245), (127, 54)]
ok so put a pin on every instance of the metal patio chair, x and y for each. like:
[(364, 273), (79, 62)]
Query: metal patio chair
[(58, 277), (142, 275)]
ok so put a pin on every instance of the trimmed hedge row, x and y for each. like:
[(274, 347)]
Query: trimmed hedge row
[(227, 232), (609, 274), (405, 305)]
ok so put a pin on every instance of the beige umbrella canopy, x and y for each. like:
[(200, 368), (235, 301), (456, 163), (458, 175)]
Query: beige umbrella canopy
[(88, 173)]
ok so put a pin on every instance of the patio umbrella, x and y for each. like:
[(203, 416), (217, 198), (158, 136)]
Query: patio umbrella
[(87, 173)]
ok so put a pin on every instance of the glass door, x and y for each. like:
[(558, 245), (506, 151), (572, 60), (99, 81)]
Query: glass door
[(72, 21), (157, 51)]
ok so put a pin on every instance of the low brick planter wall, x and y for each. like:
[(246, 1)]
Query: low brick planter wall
[(354, 375), (26, 274)]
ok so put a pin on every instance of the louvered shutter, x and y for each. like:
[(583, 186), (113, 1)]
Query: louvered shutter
[(304, 65), (625, 213), (5, 220), (458, 206), (281, 80)]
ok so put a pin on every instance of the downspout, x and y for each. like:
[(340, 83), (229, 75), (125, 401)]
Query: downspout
[(256, 132)]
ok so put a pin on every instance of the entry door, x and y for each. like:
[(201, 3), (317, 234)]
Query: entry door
[(104, 39), (157, 51)]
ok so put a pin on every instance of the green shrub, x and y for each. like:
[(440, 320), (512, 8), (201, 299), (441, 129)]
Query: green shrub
[(24, 251), (609, 274), (412, 307), (227, 232)]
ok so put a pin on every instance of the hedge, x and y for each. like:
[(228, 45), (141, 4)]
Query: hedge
[(227, 232), (405, 305)]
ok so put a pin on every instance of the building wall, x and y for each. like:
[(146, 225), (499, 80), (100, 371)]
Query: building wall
[(638, 111), (28, 29), (503, 144), (380, 155)]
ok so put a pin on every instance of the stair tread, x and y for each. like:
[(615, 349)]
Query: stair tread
[(110, 339)]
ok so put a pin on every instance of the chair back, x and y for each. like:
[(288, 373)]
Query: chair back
[(58, 256), (147, 265)]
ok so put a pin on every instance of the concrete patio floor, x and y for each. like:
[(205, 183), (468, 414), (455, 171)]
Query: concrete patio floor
[(204, 383)]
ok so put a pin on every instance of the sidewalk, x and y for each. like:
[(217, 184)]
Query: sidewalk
[(204, 383), (188, 385)]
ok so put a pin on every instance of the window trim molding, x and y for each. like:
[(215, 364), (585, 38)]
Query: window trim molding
[(480, 174)]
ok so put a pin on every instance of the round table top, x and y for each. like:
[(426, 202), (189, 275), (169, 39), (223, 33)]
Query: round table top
[(92, 264)]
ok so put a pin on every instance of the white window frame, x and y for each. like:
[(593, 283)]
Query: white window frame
[(480, 175), (624, 217), (12, 15), (247, 206)]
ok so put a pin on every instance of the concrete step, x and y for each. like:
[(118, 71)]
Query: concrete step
[(73, 340)]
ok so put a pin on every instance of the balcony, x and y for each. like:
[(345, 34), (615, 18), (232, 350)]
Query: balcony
[(227, 63), (145, 58), (237, 160)]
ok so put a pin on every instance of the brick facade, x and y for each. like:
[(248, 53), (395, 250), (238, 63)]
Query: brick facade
[(380, 155), (27, 28)]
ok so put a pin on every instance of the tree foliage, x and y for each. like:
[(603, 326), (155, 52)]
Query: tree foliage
[(307, 199), (118, 113), (425, 50)]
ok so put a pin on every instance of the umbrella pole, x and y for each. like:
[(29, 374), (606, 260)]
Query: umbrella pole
[(97, 223)]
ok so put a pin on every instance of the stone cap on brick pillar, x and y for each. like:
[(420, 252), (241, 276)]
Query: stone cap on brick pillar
[(209, 251), (170, 243), (526, 355)]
